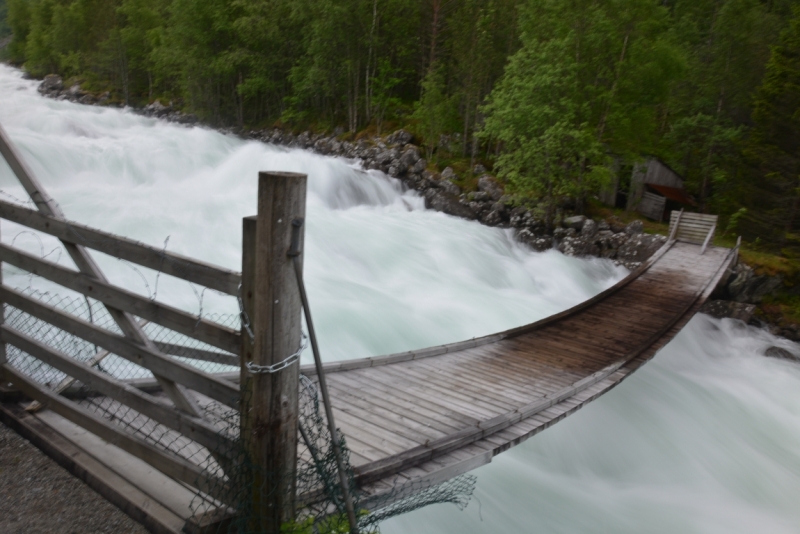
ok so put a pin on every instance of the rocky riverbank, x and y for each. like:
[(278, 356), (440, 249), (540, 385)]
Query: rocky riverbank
[(399, 157)]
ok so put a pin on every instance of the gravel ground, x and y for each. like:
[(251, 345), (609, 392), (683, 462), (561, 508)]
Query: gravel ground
[(39, 496)]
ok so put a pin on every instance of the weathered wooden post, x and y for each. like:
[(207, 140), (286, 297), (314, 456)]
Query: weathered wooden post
[(271, 338)]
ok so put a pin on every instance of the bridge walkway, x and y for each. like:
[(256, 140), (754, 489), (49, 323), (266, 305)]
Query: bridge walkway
[(416, 419)]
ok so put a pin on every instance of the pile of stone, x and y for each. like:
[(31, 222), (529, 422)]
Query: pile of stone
[(53, 86), (398, 157)]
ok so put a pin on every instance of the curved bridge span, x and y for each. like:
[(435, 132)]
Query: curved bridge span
[(132, 395), (420, 418)]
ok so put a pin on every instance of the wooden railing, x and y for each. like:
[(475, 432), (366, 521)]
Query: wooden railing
[(696, 228), (180, 381)]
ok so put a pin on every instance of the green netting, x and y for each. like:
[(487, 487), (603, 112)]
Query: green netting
[(227, 506)]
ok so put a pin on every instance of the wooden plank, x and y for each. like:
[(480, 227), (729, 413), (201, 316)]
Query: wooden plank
[(221, 390), (401, 421), (198, 354), (471, 393), (169, 464), (379, 385), (372, 428), (430, 388), (443, 420), (160, 260), (111, 486), (163, 314), (192, 427), (489, 386)]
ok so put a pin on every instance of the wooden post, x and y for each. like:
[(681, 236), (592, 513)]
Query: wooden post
[(271, 305), (3, 358)]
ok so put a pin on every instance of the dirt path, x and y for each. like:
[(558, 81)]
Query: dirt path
[(38, 496)]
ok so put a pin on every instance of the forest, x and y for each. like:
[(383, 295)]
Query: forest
[(555, 96)]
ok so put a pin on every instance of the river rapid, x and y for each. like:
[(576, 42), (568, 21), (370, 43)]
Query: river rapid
[(705, 438)]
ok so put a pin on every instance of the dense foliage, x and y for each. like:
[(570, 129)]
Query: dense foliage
[(558, 95)]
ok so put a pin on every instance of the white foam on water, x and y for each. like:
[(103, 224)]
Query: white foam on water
[(703, 439)]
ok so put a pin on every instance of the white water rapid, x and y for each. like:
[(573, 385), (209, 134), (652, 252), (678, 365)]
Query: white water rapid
[(706, 438)]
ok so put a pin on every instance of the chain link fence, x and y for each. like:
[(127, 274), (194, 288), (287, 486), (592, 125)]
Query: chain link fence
[(230, 507)]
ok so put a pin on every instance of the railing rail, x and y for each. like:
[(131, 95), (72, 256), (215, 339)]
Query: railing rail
[(123, 248), (162, 314)]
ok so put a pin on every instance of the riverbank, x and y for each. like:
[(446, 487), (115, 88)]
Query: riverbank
[(477, 195)]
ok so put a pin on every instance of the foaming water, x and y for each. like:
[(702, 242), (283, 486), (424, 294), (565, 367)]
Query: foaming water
[(383, 273), (703, 439)]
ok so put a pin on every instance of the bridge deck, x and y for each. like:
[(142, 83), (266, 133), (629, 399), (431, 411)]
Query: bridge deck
[(419, 422)]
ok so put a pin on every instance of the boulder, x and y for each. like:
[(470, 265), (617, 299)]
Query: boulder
[(487, 184), (634, 228), (728, 309), (778, 352), (589, 229), (52, 83), (447, 203), (410, 156), (478, 169), (536, 242), (639, 247), (492, 217), (575, 222), (576, 245), (746, 286), (449, 174), (420, 165), (448, 186), (400, 137)]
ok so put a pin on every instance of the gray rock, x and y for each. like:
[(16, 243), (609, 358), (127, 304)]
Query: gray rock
[(478, 169), (52, 83), (572, 245), (778, 352), (603, 226), (634, 228), (492, 217), (449, 174), (448, 186), (746, 286), (479, 207), (420, 165), (728, 308), (400, 137), (575, 222), (639, 247), (410, 156), (487, 184), (447, 203), (536, 242), (74, 91), (589, 229)]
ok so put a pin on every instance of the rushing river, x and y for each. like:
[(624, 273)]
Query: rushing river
[(706, 438)]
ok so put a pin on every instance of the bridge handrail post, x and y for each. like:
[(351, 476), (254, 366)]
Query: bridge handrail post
[(708, 239), (271, 335), (674, 230)]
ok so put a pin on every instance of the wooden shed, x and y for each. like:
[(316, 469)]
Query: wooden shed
[(656, 190)]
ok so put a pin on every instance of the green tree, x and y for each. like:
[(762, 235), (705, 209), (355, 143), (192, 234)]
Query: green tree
[(587, 83), (774, 144), (435, 111)]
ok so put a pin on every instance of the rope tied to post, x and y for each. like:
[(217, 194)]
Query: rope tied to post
[(283, 364)]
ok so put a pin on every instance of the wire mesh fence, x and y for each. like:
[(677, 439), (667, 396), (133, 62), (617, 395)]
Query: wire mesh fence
[(229, 506)]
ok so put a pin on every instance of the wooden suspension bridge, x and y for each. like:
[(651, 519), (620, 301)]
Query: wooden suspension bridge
[(411, 420)]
